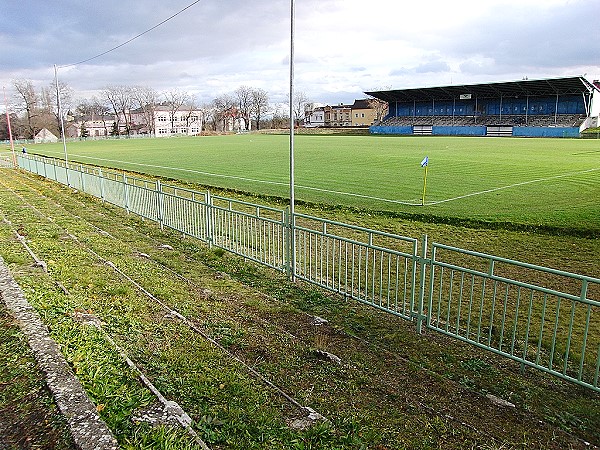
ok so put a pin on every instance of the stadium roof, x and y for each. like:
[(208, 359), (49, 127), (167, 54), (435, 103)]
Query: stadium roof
[(534, 88)]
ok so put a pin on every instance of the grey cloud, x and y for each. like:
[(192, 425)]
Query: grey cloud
[(399, 72), (523, 36), (216, 46), (432, 67), (73, 31), (425, 67)]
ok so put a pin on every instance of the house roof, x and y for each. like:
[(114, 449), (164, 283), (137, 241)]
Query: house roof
[(546, 87), (361, 104), (46, 134)]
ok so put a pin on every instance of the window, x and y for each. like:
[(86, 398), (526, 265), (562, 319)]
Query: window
[(162, 118), (194, 118), (362, 115)]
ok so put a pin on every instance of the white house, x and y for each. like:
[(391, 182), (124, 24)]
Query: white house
[(96, 127), (314, 115), (44, 136), (186, 121)]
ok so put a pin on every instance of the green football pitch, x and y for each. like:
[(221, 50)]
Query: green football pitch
[(548, 182)]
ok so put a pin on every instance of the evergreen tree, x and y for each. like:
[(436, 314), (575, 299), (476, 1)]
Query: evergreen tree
[(83, 131)]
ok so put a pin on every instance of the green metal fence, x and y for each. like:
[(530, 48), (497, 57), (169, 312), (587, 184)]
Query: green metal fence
[(539, 317), (356, 262)]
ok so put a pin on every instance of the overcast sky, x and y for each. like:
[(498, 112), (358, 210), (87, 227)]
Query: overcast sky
[(343, 47)]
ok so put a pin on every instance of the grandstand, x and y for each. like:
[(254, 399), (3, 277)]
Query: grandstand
[(558, 107)]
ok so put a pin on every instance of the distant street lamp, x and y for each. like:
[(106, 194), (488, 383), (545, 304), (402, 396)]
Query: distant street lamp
[(292, 242), (10, 136), (62, 124)]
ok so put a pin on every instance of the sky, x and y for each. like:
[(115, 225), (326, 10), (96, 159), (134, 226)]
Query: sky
[(342, 47)]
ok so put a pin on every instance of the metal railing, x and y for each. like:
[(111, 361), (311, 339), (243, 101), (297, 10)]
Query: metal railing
[(349, 260), (540, 317)]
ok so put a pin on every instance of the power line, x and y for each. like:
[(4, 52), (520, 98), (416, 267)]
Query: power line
[(133, 38)]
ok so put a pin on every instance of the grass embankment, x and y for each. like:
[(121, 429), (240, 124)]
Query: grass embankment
[(538, 184), (392, 389), (29, 418)]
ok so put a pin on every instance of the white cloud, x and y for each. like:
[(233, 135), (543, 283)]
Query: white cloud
[(342, 47)]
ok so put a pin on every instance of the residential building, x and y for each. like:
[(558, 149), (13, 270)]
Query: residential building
[(96, 127), (44, 136), (363, 114), (338, 116), (314, 115), (186, 120)]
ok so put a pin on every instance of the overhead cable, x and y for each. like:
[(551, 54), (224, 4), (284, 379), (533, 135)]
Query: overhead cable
[(133, 38)]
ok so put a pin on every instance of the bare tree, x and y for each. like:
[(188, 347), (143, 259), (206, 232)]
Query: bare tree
[(47, 114), (174, 100), (243, 96), (207, 111), (93, 109), (4, 131), (380, 107), (27, 102), (120, 100), (145, 99), (192, 114), (280, 118), (299, 102), (260, 105), (57, 100), (224, 109)]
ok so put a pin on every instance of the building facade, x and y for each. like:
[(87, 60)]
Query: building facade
[(360, 114), (363, 114), (338, 116), (166, 122)]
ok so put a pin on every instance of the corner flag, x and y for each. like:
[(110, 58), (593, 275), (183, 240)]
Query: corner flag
[(424, 163)]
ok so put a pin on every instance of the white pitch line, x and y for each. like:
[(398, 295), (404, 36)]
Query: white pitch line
[(487, 191), (233, 177), (350, 194)]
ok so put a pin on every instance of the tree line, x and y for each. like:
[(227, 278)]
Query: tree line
[(33, 109)]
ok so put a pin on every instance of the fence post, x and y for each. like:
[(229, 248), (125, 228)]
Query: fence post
[(101, 183), (287, 244), (161, 204), (423, 260), (209, 214), (126, 192), (430, 261), (67, 173), (82, 177)]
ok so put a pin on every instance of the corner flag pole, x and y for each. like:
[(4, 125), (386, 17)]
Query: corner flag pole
[(10, 136), (424, 163)]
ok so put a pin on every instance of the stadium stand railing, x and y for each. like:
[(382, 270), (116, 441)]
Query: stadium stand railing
[(521, 120), (539, 317)]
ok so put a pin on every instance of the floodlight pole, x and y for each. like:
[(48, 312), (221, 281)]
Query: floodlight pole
[(292, 239), (62, 124), (10, 136)]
